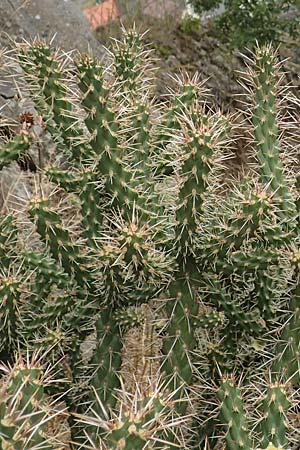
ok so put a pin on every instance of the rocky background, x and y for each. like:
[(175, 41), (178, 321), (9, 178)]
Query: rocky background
[(46, 18)]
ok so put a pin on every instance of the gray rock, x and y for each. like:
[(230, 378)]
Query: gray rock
[(46, 18)]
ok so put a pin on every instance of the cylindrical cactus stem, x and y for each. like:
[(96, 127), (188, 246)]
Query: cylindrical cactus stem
[(180, 340), (190, 91), (253, 261), (46, 76), (200, 145), (22, 407), (232, 416), (265, 80), (84, 183), (131, 65), (287, 349), (10, 292), (239, 321), (273, 407), (139, 140), (48, 272), (137, 427), (141, 421), (58, 240), (106, 362), (16, 146), (265, 293), (68, 180), (241, 224), (91, 207), (103, 124), (57, 313), (134, 268), (8, 241), (96, 100)]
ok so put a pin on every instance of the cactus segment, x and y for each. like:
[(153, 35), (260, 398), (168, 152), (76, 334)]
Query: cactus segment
[(180, 341), (51, 93), (14, 148), (200, 145), (134, 267), (61, 246), (67, 180), (265, 293), (131, 62), (140, 422), (106, 362), (139, 140), (8, 241), (239, 227), (274, 406), (136, 428), (9, 315), (239, 319), (91, 212), (22, 408), (101, 121), (265, 123), (190, 91), (47, 271), (88, 188), (100, 116), (254, 260), (232, 416), (287, 361)]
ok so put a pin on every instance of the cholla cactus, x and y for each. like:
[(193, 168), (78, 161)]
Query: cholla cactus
[(132, 235)]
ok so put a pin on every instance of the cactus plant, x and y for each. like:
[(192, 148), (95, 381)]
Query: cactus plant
[(134, 235)]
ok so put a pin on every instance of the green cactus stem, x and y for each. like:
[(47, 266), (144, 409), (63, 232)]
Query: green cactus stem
[(106, 362), (287, 351), (274, 406), (242, 224), (61, 246), (10, 293), (8, 241), (46, 77), (265, 81), (15, 147), (232, 416), (22, 407), (200, 146), (180, 341), (132, 65)]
